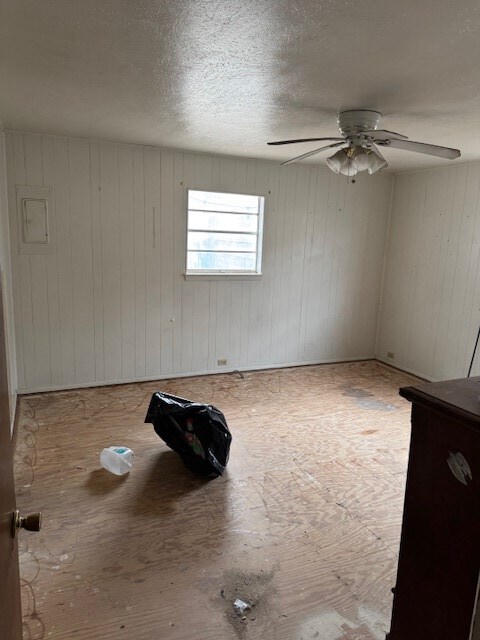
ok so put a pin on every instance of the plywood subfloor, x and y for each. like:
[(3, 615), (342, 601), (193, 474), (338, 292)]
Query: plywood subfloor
[(305, 522)]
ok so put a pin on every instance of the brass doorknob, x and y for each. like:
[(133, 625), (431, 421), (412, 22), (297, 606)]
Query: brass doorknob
[(32, 522)]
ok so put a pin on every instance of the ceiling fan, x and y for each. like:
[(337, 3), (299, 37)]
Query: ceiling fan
[(360, 141)]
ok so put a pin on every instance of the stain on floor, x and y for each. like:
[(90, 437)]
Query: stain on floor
[(366, 400)]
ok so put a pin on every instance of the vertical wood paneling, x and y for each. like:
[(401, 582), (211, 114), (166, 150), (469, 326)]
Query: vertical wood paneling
[(6, 159), (139, 265), (430, 309), (167, 272), (223, 317), (112, 303), (314, 274), (268, 262), (52, 269), (152, 261), (279, 301), (11, 145), (290, 203), (188, 289), (327, 328), (127, 259), (97, 261), (178, 257), (307, 250), (258, 176), (82, 275), (447, 351), (64, 260), (470, 261), (23, 267), (297, 259), (110, 234), (372, 235), (38, 270)]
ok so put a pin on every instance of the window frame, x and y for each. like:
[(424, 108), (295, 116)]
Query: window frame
[(210, 274)]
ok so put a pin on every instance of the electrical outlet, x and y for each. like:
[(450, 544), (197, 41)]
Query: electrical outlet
[(390, 355), (221, 362)]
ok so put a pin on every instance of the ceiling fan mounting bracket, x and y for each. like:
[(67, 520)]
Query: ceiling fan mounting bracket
[(360, 140), (354, 121)]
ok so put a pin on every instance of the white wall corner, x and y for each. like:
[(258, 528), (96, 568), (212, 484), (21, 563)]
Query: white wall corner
[(384, 267), (6, 268)]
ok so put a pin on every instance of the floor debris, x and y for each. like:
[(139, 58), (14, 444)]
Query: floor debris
[(250, 603), (240, 606)]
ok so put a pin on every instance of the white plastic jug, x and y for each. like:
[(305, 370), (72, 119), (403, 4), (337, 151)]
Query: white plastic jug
[(117, 460)]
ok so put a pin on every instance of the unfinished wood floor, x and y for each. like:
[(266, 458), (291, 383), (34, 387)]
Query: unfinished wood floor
[(305, 522)]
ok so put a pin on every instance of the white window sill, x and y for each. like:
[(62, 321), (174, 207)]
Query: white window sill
[(212, 277)]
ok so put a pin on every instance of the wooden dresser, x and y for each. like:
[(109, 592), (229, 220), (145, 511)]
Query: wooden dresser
[(439, 563)]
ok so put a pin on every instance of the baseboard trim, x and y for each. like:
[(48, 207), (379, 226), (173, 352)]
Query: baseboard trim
[(412, 372), (188, 374)]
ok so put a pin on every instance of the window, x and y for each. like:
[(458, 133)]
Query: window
[(224, 233)]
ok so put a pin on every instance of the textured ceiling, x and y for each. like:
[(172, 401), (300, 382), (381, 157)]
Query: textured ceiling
[(226, 76)]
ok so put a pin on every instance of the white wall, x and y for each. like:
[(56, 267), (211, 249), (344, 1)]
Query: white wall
[(5, 267), (99, 309), (430, 310)]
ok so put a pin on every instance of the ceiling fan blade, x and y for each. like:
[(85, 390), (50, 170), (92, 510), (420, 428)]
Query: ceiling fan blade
[(421, 147), (383, 134), (303, 140), (312, 153)]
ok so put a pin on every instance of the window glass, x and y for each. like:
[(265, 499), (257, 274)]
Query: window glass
[(224, 233)]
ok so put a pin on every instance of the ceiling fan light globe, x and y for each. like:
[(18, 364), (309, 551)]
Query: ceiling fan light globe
[(377, 162), (349, 170), (340, 162), (368, 160), (335, 162), (362, 161)]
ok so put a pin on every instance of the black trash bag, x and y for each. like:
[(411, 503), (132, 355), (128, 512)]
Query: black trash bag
[(197, 432)]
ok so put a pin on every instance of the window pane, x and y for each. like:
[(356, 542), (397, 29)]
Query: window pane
[(210, 201), (221, 261), (221, 241), (222, 221), (224, 230)]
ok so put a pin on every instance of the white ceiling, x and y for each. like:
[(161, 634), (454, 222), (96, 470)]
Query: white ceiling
[(225, 76)]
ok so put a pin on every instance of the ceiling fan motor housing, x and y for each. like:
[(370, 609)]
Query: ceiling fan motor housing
[(353, 122)]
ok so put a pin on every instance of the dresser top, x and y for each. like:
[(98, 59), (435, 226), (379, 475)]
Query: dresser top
[(460, 397)]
